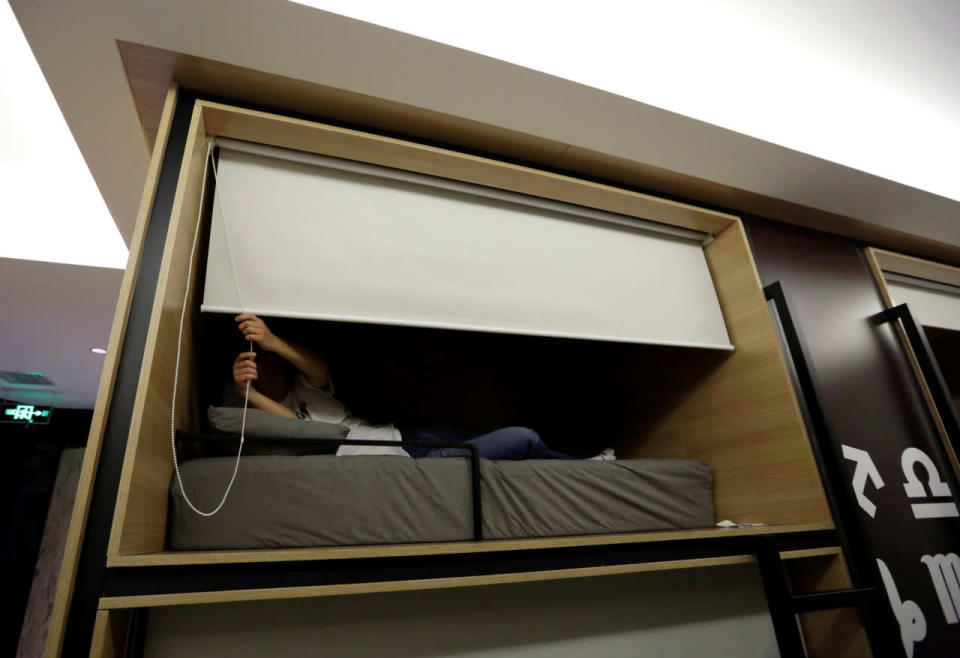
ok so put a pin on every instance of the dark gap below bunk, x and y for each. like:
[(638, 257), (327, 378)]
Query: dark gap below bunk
[(579, 395)]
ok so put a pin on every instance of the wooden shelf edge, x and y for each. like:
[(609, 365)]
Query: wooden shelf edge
[(266, 594), (169, 558), (811, 552)]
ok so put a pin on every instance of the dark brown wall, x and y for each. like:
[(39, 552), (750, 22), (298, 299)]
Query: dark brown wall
[(869, 397)]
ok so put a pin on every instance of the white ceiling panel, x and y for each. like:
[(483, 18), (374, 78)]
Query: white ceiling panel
[(53, 314), (869, 85), (75, 44)]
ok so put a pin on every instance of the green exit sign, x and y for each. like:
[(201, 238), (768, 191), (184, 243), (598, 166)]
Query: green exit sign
[(14, 412)]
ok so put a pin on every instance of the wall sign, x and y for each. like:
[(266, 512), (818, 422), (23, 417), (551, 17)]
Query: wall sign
[(945, 575), (913, 625), (875, 412), (25, 414), (865, 470), (929, 497)]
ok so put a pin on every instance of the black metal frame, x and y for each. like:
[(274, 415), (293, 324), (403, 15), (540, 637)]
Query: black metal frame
[(473, 455), (843, 506), (877, 616), (224, 577), (930, 370)]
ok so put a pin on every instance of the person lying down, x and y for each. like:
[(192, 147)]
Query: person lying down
[(309, 395)]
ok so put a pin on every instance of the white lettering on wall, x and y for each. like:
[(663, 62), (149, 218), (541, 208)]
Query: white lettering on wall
[(945, 574), (913, 625), (864, 470), (915, 488)]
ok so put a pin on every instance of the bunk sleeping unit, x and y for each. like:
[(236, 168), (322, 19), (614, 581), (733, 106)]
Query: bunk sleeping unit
[(324, 239), (454, 289)]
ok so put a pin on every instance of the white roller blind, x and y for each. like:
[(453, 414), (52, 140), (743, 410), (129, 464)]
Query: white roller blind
[(932, 304), (314, 237)]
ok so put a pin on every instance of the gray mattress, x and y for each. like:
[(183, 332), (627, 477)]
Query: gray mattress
[(321, 500)]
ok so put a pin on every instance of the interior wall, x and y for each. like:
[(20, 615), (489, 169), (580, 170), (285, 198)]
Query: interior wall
[(36, 619), (870, 399), (675, 613)]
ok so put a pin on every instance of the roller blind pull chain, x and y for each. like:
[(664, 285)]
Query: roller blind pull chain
[(208, 164)]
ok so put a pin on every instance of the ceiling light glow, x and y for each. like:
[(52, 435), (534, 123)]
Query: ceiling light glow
[(50, 207), (839, 81)]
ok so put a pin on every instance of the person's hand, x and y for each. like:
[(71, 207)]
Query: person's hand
[(244, 370), (255, 329)]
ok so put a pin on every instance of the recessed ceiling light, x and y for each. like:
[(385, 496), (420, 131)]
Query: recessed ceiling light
[(98, 350)]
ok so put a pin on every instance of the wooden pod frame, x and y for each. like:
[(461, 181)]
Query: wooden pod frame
[(882, 261), (741, 417)]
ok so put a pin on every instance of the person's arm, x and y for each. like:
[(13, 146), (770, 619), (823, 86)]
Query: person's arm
[(244, 371), (314, 368)]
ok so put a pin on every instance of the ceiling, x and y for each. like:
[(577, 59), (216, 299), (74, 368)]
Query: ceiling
[(76, 45), (52, 315), (868, 85)]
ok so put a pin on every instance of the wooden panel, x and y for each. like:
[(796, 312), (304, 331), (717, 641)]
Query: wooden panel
[(144, 73), (78, 522), (742, 417), (889, 261), (109, 634), (275, 130), (877, 271), (811, 552), (447, 548), (828, 633), (102, 646), (140, 517)]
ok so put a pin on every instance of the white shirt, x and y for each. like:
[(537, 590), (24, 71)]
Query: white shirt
[(312, 403)]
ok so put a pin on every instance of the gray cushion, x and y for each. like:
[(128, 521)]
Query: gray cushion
[(264, 425), (296, 502)]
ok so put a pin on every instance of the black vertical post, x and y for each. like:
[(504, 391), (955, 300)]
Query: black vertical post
[(778, 598), (476, 493), (930, 370), (91, 567), (861, 564)]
